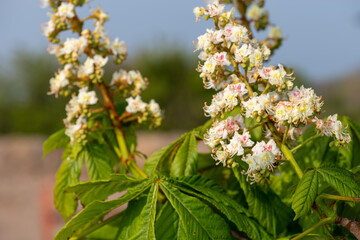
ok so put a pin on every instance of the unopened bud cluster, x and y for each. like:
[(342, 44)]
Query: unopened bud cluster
[(233, 63), (84, 58)]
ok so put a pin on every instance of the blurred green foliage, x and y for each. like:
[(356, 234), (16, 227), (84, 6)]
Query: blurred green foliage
[(174, 84)]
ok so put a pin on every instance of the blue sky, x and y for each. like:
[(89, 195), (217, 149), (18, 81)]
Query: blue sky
[(322, 36)]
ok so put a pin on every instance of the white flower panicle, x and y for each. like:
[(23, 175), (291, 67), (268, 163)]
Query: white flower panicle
[(84, 58), (234, 64)]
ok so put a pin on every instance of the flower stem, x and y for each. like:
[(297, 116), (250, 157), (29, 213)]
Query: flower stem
[(305, 142), (288, 154), (336, 197), (313, 228)]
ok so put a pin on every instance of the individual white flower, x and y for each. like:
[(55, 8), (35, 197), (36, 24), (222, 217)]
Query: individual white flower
[(154, 108), (283, 111), (277, 76), (235, 33), (215, 8), (203, 42), (209, 66), (256, 57), (118, 48), (120, 77), (135, 105), (198, 12), (266, 52), (73, 108), (243, 52), (275, 32), (66, 10), (100, 61), (87, 68), (254, 12), (61, 79), (86, 97), (77, 45), (215, 37), (234, 147), (72, 129), (49, 27), (221, 59)]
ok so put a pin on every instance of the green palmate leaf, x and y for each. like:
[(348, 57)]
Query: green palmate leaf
[(266, 207), (97, 162), (341, 180), (212, 193), (197, 219), (167, 225), (101, 189), (109, 231), (139, 222), (305, 193), (185, 161), (161, 156), (92, 215), (68, 174), (56, 141)]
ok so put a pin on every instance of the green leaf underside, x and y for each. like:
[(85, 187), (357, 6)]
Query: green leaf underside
[(267, 208), (198, 220), (95, 211), (212, 193), (57, 140), (139, 222), (185, 161), (68, 174), (341, 180), (167, 225), (101, 189), (159, 157), (305, 193)]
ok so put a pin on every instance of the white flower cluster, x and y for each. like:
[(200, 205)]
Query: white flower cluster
[(333, 127), (129, 82), (263, 157), (233, 64), (76, 112), (84, 58)]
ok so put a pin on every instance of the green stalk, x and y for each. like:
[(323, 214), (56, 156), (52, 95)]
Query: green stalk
[(305, 142), (313, 228), (336, 197), (288, 154)]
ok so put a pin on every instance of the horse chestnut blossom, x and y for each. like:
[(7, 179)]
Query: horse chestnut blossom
[(84, 58), (233, 63)]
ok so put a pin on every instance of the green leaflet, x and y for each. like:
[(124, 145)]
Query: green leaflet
[(93, 214), (97, 162), (68, 173), (57, 140), (198, 220), (161, 156), (185, 161), (101, 189), (167, 225), (305, 193), (266, 207), (212, 193), (139, 222), (341, 180)]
